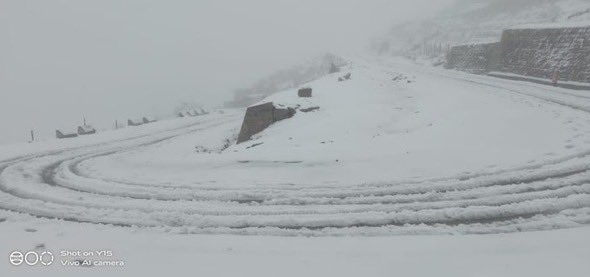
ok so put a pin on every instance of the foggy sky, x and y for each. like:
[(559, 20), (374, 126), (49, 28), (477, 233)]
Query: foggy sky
[(114, 59)]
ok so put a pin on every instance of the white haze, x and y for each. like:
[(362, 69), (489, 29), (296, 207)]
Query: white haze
[(113, 59)]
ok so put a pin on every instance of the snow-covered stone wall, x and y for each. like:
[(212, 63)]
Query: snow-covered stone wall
[(475, 58), (541, 52), (532, 51)]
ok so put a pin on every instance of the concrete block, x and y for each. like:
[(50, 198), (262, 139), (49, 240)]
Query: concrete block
[(62, 135), (259, 117), (304, 92), (86, 130)]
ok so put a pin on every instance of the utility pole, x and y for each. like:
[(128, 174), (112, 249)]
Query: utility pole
[(116, 124), (32, 135), (84, 117)]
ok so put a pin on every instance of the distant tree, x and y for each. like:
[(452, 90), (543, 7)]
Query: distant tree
[(288, 78)]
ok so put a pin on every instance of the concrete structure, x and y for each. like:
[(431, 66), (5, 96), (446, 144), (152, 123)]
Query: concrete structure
[(131, 122), (86, 130), (304, 92), (148, 119), (62, 135), (546, 52), (259, 117)]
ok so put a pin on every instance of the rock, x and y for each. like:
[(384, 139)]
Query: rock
[(254, 145), (346, 77), (310, 109)]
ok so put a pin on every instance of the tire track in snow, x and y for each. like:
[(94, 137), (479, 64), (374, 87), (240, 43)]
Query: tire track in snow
[(317, 226), (508, 201)]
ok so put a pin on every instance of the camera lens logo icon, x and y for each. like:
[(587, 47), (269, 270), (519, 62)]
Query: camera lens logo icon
[(46, 258), (16, 258), (31, 258)]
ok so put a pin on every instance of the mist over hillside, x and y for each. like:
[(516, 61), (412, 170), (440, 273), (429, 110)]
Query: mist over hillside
[(478, 21), (284, 79)]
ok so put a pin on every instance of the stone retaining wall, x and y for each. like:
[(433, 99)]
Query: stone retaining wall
[(475, 58), (530, 52), (541, 52)]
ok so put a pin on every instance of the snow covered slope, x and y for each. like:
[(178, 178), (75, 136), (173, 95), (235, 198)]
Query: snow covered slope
[(399, 149)]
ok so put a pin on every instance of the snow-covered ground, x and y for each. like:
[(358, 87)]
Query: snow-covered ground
[(370, 130), (549, 253), (398, 150)]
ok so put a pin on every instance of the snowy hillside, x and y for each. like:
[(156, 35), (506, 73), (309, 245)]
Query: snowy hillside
[(397, 150), (477, 22), (396, 147)]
